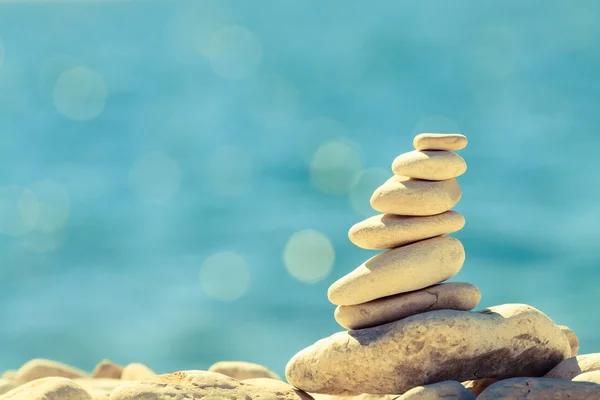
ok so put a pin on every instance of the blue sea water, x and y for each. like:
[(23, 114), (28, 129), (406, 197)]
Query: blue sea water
[(140, 138)]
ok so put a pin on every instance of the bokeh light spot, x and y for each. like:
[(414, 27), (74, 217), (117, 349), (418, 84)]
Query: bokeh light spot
[(19, 210), (334, 166), (53, 67), (234, 52), (155, 177), (365, 183), (232, 171), (275, 102), (309, 256), (315, 132), (436, 124), (54, 205), (80, 93), (41, 242), (224, 276)]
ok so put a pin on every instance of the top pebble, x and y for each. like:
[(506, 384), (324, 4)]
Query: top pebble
[(440, 141)]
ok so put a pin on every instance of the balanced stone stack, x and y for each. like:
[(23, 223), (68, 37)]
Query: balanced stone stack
[(407, 328), (404, 281)]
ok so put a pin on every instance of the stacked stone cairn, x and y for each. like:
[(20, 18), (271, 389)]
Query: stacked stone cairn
[(411, 336)]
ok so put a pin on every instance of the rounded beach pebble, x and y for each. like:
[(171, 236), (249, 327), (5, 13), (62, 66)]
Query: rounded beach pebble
[(241, 370), (406, 196), (571, 367), (572, 339), (440, 141), (452, 296), (6, 385), (136, 372), (42, 368), (405, 269), (540, 389), (107, 369), (387, 231), (504, 341), (592, 376), (429, 165), (51, 388)]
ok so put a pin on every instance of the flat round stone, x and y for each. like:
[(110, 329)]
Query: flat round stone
[(430, 165), (460, 296), (440, 141), (405, 269), (386, 231), (407, 196)]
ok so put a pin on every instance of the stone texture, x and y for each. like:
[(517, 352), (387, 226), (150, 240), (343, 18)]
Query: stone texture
[(9, 374), (278, 386), (500, 342), (429, 165), (405, 196), (204, 385), (6, 385), (405, 269), (42, 368), (572, 339), (51, 388), (452, 295), (136, 372), (592, 376), (387, 231), (571, 367), (107, 369), (446, 390), (477, 386), (540, 389), (241, 370), (440, 141), (98, 388)]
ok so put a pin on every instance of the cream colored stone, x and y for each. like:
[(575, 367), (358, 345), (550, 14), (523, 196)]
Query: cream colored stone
[(572, 339), (429, 165), (51, 388), (207, 386), (405, 269), (107, 369), (317, 396), (446, 390), (540, 389), (504, 341), (405, 196), (136, 372), (6, 385), (440, 141), (592, 376), (387, 231), (452, 296), (98, 388), (477, 386), (571, 367), (42, 368), (241, 370), (10, 374)]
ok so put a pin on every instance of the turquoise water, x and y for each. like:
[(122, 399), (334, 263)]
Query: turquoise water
[(141, 138)]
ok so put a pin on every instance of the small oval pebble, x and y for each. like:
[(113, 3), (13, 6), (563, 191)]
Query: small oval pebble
[(440, 141), (42, 368), (405, 196), (430, 165), (241, 370), (387, 231), (592, 376), (136, 372), (540, 389), (450, 296), (405, 269), (107, 369), (449, 390), (571, 367), (51, 388), (572, 339)]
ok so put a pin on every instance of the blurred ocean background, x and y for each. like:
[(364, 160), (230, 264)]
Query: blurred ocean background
[(178, 177)]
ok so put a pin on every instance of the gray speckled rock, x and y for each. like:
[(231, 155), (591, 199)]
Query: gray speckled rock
[(540, 389), (406, 196), (571, 367), (446, 296), (429, 165), (241, 370), (572, 339), (501, 342), (51, 388), (405, 269), (42, 368), (446, 390), (205, 385), (440, 141)]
